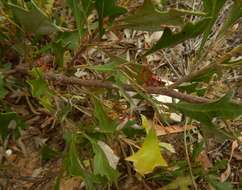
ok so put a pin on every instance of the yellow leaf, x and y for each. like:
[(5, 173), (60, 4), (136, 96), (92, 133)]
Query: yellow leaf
[(149, 156), (146, 123)]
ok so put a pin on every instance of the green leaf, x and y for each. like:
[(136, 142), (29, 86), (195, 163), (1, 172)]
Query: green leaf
[(147, 18), (73, 163), (169, 39), (212, 8), (111, 66), (149, 156), (107, 8), (101, 164), (3, 91), (58, 49), (108, 67), (234, 15), (80, 10), (57, 183), (6, 119), (47, 153), (106, 124), (217, 185), (33, 20), (77, 14), (224, 108), (181, 183), (38, 85), (69, 39), (198, 148)]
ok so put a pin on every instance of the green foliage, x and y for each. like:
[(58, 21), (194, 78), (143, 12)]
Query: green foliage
[(168, 39), (38, 85), (80, 10), (101, 164), (217, 185), (212, 8), (181, 182), (3, 91), (107, 8), (105, 123), (10, 121), (26, 30), (224, 108), (147, 18), (234, 15), (73, 163), (47, 153), (33, 20), (40, 89)]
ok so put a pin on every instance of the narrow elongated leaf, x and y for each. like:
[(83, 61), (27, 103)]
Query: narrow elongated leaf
[(212, 8), (3, 91), (149, 19), (169, 39), (73, 4), (106, 124), (149, 156), (33, 20), (234, 15), (107, 8), (80, 10)]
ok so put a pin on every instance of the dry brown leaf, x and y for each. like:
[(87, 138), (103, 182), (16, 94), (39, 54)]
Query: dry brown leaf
[(70, 184), (225, 175), (204, 160), (161, 130)]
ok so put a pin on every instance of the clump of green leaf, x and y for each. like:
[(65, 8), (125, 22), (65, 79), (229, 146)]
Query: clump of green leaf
[(11, 122), (223, 108), (40, 89)]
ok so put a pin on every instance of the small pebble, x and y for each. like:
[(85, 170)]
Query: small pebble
[(8, 152)]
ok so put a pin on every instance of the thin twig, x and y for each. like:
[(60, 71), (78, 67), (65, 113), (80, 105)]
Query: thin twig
[(188, 158), (64, 80)]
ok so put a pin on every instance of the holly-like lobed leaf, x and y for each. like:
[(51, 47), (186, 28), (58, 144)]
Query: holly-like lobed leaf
[(40, 89), (149, 156), (33, 20), (72, 161), (38, 85), (223, 108), (147, 18), (169, 39), (102, 166), (107, 8), (105, 123)]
